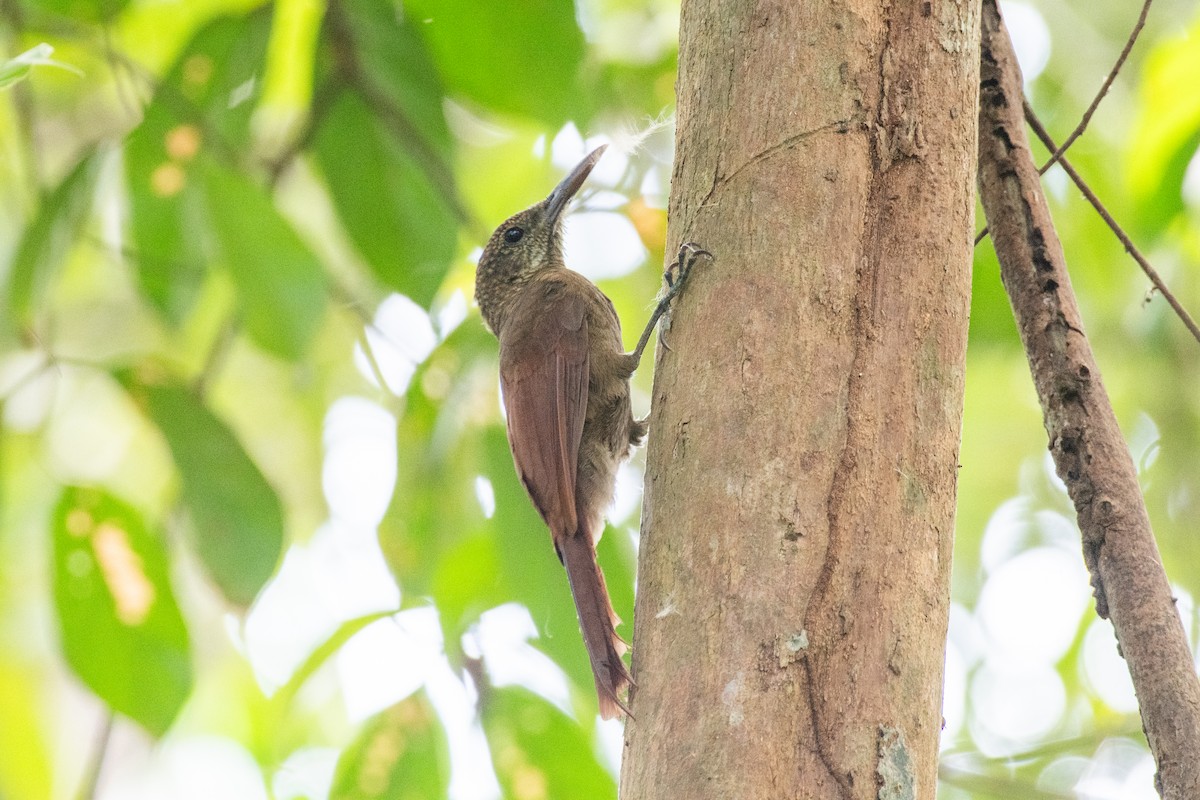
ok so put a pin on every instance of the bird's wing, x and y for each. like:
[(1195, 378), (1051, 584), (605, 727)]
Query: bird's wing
[(544, 378)]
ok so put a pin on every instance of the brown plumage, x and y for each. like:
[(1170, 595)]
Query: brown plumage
[(565, 375), (565, 380)]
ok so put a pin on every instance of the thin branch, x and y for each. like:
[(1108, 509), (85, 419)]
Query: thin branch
[(1036, 124), (123, 84), (323, 99), (1057, 153), (1090, 454), (222, 344), (345, 50), (91, 778), (981, 784), (1075, 744)]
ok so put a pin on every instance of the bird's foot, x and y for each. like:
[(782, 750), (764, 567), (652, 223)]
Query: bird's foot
[(675, 275)]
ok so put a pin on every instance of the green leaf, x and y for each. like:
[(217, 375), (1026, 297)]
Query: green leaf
[(47, 240), (165, 213), (384, 148), (1167, 129), (393, 61), (281, 286), (413, 531), (401, 223), (27, 767), (17, 68), (345, 632), (237, 520), (525, 62), (540, 752), (122, 632), (433, 506), (401, 754), (84, 10), (466, 583), (202, 109)]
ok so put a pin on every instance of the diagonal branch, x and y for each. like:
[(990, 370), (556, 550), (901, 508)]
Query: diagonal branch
[(1130, 247), (1089, 452), (1057, 153), (324, 96), (91, 778)]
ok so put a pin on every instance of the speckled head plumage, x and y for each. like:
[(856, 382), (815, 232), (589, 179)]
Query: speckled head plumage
[(525, 244)]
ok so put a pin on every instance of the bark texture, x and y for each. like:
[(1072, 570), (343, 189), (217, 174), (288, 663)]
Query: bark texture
[(1089, 452), (800, 487)]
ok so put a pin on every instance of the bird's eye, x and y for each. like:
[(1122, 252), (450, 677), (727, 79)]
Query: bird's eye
[(513, 235)]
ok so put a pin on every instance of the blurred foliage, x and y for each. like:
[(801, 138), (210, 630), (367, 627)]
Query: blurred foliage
[(209, 213)]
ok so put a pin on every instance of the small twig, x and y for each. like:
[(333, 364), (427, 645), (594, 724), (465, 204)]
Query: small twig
[(323, 99), (123, 84), (364, 342), (344, 295), (91, 778), (1057, 153), (345, 49), (994, 786), (1036, 124), (477, 671), (1072, 745)]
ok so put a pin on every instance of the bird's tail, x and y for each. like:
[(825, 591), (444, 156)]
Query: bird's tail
[(598, 621)]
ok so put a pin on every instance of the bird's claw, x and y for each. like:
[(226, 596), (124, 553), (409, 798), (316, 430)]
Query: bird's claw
[(677, 272)]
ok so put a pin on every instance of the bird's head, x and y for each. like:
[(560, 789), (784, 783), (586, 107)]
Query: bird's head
[(528, 241)]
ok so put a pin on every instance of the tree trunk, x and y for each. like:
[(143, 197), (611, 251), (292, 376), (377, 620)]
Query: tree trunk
[(800, 487)]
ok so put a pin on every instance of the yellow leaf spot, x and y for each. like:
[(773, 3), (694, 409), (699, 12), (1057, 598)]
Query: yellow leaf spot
[(650, 223), (79, 522), (197, 70), (123, 573), (150, 373), (79, 564), (183, 142), (168, 179), (384, 750), (528, 783), (437, 382)]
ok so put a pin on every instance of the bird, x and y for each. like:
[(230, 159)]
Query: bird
[(564, 380)]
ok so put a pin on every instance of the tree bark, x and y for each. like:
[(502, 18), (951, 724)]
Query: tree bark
[(1089, 452), (800, 487)]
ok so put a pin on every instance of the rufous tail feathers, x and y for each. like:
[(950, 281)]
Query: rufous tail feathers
[(598, 621)]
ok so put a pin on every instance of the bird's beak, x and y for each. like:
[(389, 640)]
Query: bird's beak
[(562, 194)]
